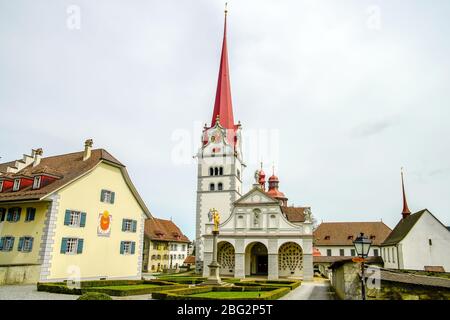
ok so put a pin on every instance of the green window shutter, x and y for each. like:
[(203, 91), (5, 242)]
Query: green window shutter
[(2, 214), (31, 245), (19, 211), (134, 225), (113, 195), (67, 218), (63, 245), (32, 214), (123, 224), (102, 195), (83, 219), (121, 247), (12, 244), (80, 246), (21, 240), (1, 243), (9, 215), (133, 247)]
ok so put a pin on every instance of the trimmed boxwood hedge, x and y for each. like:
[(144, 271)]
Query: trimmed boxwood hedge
[(107, 287), (183, 280), (267, 293), (94, 296), (270, 283)]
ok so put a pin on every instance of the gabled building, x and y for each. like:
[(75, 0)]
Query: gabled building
[(419, 241), (165, 248), (70, 216), (335, 239)]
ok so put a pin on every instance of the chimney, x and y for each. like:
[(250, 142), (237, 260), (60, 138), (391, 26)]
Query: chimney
[(37, 155), (87, 149)]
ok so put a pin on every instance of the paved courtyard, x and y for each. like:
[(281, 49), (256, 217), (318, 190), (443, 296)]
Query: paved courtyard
[(319, 289), (29, 292)]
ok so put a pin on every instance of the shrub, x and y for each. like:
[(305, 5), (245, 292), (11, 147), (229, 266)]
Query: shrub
[(183, 280), (58, 288), (94, 296), (267, 293)]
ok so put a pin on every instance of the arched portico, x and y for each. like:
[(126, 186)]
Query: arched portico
[(290, 260), (226, 258), (256, 259)]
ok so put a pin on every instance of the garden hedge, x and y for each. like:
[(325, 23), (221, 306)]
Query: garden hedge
[(94, 296), (270, 283), (267, 293), (107, 287), (183, 280)]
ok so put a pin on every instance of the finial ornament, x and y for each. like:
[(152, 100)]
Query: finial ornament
[(226, 10)]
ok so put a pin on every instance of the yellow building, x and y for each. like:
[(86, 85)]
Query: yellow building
[(165, 245), (73, 216)]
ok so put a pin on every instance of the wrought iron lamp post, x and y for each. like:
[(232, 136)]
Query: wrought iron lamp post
[(362, 246)]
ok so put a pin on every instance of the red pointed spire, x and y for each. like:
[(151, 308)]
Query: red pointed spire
[(405, 212), (223, 108)]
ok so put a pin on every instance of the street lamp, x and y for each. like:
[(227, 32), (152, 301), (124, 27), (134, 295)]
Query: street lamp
[(362, 246)]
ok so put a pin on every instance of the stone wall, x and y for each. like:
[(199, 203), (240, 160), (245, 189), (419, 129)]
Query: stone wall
[(346, 282), (26, 274), (404, 291)]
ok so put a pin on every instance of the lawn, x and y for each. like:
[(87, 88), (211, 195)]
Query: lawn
[(227, 294), (129, 287)]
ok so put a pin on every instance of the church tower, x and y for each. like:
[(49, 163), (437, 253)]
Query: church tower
[(220, 166)]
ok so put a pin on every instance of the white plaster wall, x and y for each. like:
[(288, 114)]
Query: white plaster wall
[(417, 252), (347, 250)]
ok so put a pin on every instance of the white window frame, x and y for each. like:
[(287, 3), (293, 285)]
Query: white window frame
[(75, 219), (72, 246), (107, 196), (127, 247), (15, 215), (16, 185), (26, 244), (37, 182), (7, 246), (128, 225)]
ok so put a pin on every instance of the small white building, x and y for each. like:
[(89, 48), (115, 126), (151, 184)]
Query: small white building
[(418, 242)]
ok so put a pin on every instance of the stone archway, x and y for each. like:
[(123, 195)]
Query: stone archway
[(290, 260), (256, 259), (225, 257)]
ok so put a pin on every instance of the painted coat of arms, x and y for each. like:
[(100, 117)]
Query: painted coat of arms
[(104, 224)]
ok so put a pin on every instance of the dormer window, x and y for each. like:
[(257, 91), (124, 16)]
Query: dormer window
[(372, 237), (16, 185), (37, 182), (327, 237), (350, 238)]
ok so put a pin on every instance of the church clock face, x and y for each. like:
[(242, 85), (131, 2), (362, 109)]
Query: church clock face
[(216, 136)]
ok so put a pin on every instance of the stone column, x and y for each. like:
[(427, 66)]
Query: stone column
[(272, 266), (308, 272), (214, 266), (239, 265)]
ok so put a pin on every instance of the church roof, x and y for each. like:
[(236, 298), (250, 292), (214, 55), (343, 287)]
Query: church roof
[(294, 214), (402, 228), (163, 230), (343, 233)]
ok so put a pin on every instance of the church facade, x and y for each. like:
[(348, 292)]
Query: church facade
[(259, 233)]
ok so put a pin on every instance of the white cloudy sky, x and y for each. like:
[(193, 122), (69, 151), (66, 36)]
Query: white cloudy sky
[(353, 89)]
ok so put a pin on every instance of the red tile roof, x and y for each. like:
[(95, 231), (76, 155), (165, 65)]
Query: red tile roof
[(294, 214), (163, 230), (343, 233), (67, 167), (189, 260)]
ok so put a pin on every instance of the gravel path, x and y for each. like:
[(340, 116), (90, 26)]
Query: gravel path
[(317, 290)]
